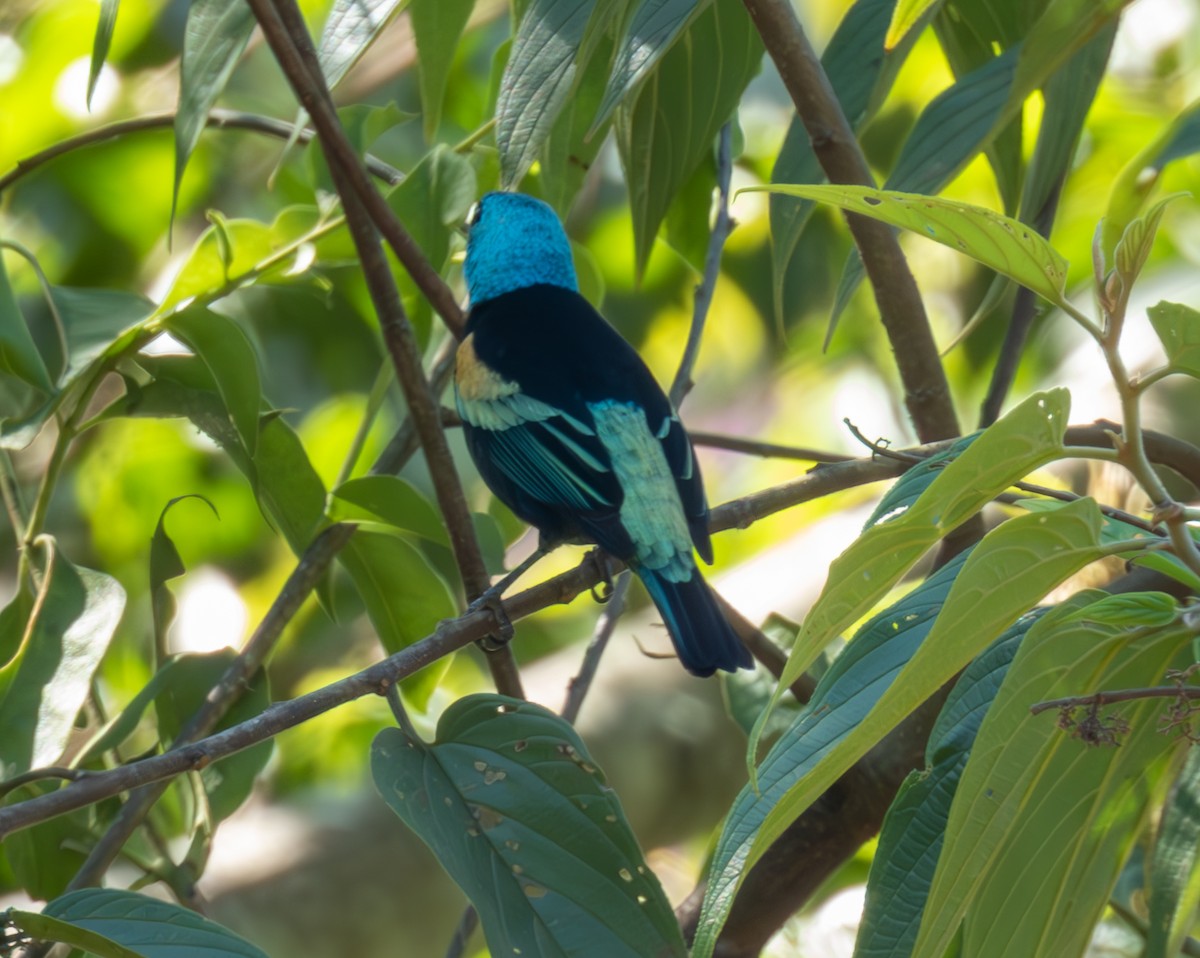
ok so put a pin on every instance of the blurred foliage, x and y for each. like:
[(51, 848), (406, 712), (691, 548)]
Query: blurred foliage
[(231, 353)]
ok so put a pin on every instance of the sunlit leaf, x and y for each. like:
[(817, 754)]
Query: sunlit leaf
[(537, 80), (518, 814), (62, 647), (906, 16), (104, 32), (437, 26), (702, 76), (998, 242), (1178, 329), (1133, 248), (145, 926), (1174, 872), (215, 37), (1041, 823)]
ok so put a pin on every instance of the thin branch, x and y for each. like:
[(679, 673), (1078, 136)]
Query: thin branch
[(926, 391), (722, 226), (1100, 699), (41, 774), (578, 687), (462, 934), (450, 635), (767, 450), (286, 33), (217, 119), (308, 572), (770, 656)]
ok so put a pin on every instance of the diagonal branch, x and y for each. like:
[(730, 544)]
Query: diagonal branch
[(926, 392)]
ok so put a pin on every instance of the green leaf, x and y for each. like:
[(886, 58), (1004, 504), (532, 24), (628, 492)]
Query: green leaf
[(860, 72), (13, 618), (1041, 824), (189, 678), (516, 811), (916, 479), (404, 596), (64, 642), (998, 242), (104, 32), (1028, 436), (1133, 249), (226, 350), (288, 489), (537, 81), (350, 29), (907, 15), (434, 199), (19, 355), (702, 76), (1178, 328), (437, 26), (215, 37), (653, 29), (125, 723), (1174, 883), (388, 499), (146, 926), (96, 322), (166, 564)]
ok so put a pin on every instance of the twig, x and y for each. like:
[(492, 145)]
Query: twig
[(767, 450), (285, 31), (217, 119), (765, 652), (462, 934), (450, 635), (304, 578), (722, 226), (40, 774), (578, 687), (926, 392), (1100, 699)]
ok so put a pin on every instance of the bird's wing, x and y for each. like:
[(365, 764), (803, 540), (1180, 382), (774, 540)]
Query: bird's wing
[(682, 460)]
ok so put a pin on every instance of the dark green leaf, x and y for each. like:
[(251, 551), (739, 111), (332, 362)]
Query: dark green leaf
[(655, 26), (13, 619), (94, 321), (226, 350), (53, 671), (18, 354), (125, 723), (908, 488), (46, 857), (434, 199), (1175, 865), (104, 32), (289, 490), (189, 679), (702, 76), (518, 814), (1178, 328), (537, 81), (437, 26), (216, 35), (388, 499), (149, 927)]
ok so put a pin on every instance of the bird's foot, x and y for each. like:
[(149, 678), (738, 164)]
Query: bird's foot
[(602, 591), (504, 627)]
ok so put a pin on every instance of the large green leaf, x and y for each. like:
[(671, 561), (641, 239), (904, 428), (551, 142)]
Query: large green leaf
[(113, 923), (437, 26), (914, 827), (537, 80), (1041, 824), (516, 811), (100, 45), (350, 28), (1174, 884), (226, 350), (1006, 245), (50, 676), (702, 77), (1004, 576), (216, 35), (388, 499)]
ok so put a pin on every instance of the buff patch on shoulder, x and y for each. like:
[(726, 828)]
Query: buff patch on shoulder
[(476, 382)]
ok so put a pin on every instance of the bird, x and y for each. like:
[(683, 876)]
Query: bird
[(568, 427)]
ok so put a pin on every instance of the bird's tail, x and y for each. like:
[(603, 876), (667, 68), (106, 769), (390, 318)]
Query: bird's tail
[(703, 638)]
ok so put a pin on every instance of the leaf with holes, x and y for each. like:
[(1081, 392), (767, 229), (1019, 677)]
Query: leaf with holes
[(516, 811)]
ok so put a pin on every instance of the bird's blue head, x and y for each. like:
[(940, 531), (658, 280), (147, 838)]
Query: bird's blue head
[(514, 241)]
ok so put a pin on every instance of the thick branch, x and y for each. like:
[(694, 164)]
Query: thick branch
[(926, 392)]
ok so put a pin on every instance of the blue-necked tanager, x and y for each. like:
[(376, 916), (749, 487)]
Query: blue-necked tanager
[(568, 427)]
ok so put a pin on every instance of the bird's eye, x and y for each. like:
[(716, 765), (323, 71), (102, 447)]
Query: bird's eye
[(473, 214)]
